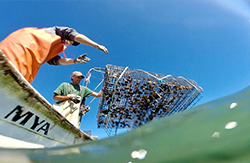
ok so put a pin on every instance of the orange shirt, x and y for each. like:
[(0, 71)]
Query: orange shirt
[(29, 48)]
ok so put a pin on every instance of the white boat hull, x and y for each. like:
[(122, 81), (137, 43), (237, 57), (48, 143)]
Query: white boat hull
[(27, 120)]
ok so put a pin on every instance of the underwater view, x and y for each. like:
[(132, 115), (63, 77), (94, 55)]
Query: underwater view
[(204, 41)]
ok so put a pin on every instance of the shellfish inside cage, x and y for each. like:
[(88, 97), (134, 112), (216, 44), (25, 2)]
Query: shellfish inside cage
[(133, 97)]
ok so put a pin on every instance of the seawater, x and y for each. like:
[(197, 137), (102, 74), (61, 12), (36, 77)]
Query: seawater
[(214, 132)]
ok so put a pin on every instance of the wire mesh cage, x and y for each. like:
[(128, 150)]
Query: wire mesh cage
[(133, 97)]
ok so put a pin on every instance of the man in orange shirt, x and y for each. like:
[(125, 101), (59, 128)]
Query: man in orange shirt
[(29, 48)]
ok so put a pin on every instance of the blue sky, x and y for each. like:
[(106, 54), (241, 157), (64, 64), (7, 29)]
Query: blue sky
[(203, 40)]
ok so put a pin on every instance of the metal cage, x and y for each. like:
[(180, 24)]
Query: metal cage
[(133, 97)]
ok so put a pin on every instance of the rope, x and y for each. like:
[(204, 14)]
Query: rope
[(89, 75), (64, 54), (97, 69)]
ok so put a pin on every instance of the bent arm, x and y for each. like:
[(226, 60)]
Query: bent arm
[(97, 94), (61, 61), (66, 61), (57, 97)]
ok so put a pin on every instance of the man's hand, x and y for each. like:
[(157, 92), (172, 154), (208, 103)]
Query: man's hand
[(75, 99), (102, 48), (82, 59)]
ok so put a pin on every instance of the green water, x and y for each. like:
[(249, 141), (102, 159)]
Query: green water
[(198, 135)]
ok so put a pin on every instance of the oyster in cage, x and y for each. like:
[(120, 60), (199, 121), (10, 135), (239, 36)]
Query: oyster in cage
[(136, 96)]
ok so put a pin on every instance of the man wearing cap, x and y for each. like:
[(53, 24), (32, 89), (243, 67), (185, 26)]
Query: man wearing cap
[(29, 48), (70, 97)]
